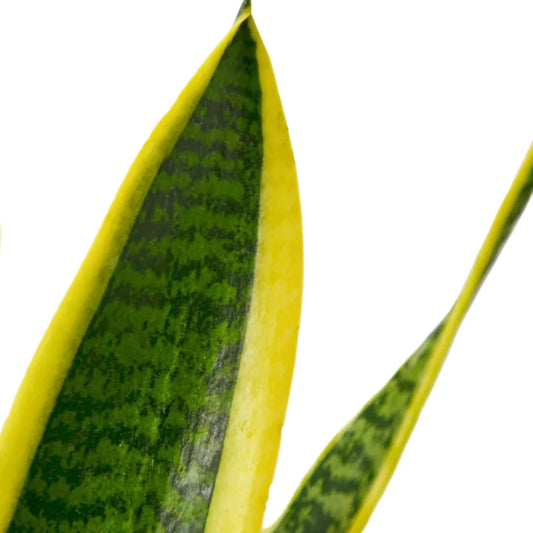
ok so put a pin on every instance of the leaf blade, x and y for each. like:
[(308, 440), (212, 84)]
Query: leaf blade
[(275, 309), (231, 226), (359, 461)]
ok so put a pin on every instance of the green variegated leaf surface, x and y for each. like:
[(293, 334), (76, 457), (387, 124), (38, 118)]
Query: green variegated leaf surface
[(341, 490), (155, 399)]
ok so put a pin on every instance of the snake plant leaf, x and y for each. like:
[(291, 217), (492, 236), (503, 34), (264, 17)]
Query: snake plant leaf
[(341, 490), (156, 397)]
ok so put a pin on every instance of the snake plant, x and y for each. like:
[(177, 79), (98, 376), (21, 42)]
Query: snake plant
[(156, 398)]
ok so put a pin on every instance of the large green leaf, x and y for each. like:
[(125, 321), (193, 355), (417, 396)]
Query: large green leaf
[(155, 399), (341, 490)]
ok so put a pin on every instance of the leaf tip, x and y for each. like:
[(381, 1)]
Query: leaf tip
[(245, 6)]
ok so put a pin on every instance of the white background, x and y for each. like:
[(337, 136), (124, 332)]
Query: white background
[(408, 120)]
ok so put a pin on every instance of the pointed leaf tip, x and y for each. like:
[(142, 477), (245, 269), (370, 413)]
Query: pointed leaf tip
[(246, 5)]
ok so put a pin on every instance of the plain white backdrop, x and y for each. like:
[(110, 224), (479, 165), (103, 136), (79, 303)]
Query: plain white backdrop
[(408, 121)]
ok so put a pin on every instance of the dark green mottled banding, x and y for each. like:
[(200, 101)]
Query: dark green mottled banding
[(336, 488), (134, 441)]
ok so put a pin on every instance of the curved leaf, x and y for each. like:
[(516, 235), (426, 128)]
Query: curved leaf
[(341, 490)]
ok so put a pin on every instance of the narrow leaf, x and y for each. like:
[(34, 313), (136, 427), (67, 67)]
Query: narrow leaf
[(155, 399), (341, 490)]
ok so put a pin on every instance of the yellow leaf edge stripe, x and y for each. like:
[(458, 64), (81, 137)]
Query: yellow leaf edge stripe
[(36, 396), (328, 497), (260, 400), (500, 229)]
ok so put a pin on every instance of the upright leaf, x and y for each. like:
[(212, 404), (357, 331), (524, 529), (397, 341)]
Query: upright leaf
[(155, 400), (341, 490)]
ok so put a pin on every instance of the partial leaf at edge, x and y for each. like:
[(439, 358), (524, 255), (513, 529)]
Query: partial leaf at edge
[(342, 489), (155, 399)]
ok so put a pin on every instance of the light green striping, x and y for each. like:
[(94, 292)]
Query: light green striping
[(341, 490), (335, 488), (135, 437)]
